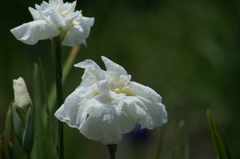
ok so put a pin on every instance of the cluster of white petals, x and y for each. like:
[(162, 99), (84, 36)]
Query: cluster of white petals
[(21, 96), (53, 19), (107, 104)]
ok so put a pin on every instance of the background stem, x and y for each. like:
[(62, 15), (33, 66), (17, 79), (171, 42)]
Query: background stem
[(56, 51)]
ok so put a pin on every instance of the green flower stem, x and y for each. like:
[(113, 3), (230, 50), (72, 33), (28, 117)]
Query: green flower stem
[(66, 69), (56, 51), (28, 155), (112, 150)]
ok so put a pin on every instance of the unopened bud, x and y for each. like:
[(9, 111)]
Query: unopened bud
[(21, 97)]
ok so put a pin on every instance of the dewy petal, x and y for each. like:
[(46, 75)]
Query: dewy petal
[(111, 66), (35, 14), (31, 32)]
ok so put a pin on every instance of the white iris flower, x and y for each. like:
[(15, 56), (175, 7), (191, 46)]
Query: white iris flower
[(107, 104), (53, 19), (21, 96)]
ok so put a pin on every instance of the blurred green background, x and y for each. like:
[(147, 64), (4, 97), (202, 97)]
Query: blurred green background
[(188, 51)]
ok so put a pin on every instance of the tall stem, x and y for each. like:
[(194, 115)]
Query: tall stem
[(112, 150), (28, 155), (57, 58)]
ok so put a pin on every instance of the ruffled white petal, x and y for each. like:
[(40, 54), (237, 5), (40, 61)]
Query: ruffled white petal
[(147, 113), (73, 16), (143, 91), (86, 24), (105, 92), (74, 36), (73, 109), (31, 32), (67, 8), (146, 106), (52, 14), (79, 32), (56, 2), (93, 71), (97, 120), (111, 66), (35, 14), (88, 64)]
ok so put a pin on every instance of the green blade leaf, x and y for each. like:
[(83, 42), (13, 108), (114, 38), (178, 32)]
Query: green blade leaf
[(214, 133), (17, 124), (219, 146), (178, 140), (8, 134), (186, 153), (50, 128), (39, 138), (28, 135), (229, 156)]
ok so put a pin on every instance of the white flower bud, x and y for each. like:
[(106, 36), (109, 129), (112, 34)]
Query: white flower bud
[(21, 97)]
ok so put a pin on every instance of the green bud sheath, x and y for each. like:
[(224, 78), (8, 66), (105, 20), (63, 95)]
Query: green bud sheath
[(28, 135), (17, 124)]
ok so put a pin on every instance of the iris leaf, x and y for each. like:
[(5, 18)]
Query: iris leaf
[(178, 140), (219, 145), (50, 128), (39, 138), (9, 134)]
